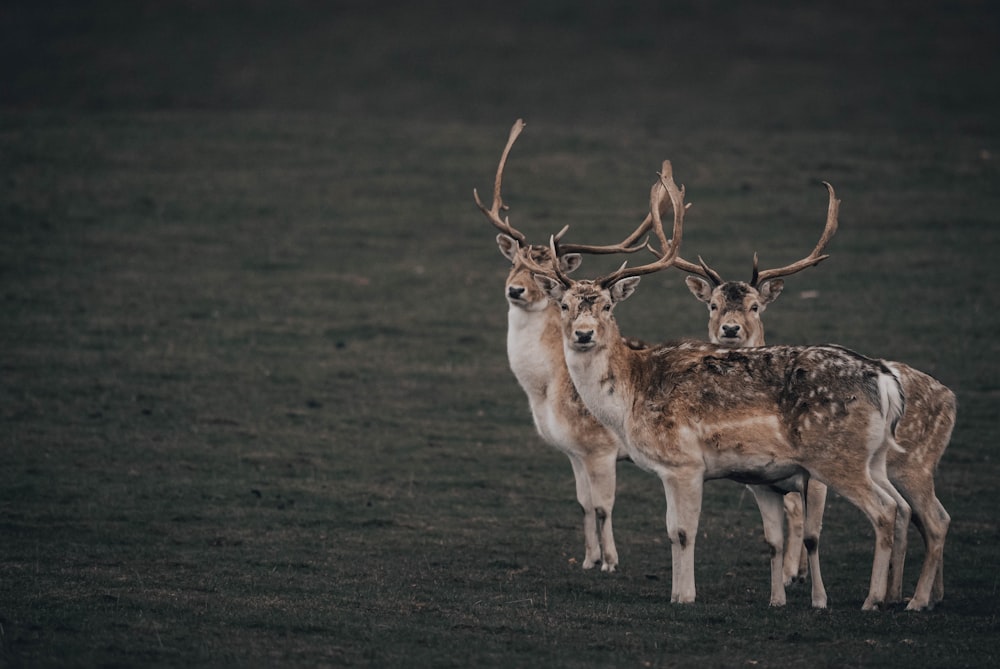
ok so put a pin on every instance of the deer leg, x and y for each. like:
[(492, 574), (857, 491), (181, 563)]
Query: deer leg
[(932, 520), (602, 472), (815, 505), (894, 587), (683, 491), (880, 508), (770, 503), (583, 495), (793, 567), (937, 591)]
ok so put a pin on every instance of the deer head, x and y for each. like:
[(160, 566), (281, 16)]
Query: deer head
[(735, 307), (520, 290), (587, 306)]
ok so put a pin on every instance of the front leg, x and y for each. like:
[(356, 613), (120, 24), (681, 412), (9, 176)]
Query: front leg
[(592, 546), (771, 504), (602, 471), (795, 561), (683, 490), (815, 500)]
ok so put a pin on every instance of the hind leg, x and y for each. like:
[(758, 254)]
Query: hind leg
[(932, 520), (880, 508), (894, 586)]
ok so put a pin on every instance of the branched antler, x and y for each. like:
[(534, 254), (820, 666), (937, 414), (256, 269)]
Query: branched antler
[(813, 258), (664, 186), (628, 245), (703, 270), (493, 213)]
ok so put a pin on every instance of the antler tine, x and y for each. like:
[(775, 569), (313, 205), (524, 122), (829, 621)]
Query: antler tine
[(560, 275), (710, 273), (665, 185), (813, 258), (628, 245), (631, 243), (684, 265), (702, 268), (493, 213)]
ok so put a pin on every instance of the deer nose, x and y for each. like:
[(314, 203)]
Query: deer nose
[(730, 330), (584, 336), (515, 292)]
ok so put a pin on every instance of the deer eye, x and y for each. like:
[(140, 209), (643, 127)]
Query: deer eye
[(713, 306), (607, 307), (564, 306), (755, 308)]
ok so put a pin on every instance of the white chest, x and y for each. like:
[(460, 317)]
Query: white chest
[(532, 362), (604, 395)]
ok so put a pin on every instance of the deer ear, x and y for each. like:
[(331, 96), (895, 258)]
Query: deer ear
[(622, 289), (570, 262), (699, 288), (508, 246), (554, 289), (769, 291)]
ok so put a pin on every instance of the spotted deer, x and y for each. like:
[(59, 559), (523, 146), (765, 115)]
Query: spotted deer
[(735, 309), (534, 350), (694, 411)]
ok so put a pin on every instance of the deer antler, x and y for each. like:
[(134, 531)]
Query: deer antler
[(627, 245), (671, 247), (701, 269), (813, 258), (493, 213)]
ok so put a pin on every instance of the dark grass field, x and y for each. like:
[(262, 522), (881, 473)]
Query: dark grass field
[(255, 408)]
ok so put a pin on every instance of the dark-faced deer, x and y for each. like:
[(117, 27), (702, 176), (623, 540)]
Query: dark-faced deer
[(693, 411), (734, 321)]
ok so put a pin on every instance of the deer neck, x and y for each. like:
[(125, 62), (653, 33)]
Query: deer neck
[(602, 377), (534, 348)]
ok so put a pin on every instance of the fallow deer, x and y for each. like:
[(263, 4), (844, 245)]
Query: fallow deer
[(695, 411), (735, 309), (534, 347), (534, 350)]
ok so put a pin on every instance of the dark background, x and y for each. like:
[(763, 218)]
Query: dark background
[(255, 407), (916, 67)]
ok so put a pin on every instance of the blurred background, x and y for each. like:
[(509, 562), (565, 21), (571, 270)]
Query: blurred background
[(920, 67), (255, 405)]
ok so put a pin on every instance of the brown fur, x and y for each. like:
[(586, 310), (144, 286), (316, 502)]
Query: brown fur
[(923, 434), (694, 411)]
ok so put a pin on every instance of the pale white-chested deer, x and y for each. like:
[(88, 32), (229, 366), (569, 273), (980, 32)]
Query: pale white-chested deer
[(735, 309), (695, 411), (534, 350)]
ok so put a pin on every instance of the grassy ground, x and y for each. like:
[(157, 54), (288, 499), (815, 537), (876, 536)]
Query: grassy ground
[(254, 400)]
